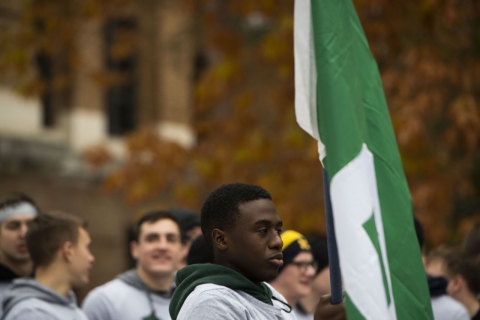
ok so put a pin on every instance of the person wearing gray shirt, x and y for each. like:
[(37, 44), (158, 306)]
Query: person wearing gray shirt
[(16, 211), (144, 292), (59, 248), (242, 228)]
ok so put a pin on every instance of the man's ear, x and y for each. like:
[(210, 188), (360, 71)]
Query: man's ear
[(456, 284), (134, 250), (67, 251), (219, 239)]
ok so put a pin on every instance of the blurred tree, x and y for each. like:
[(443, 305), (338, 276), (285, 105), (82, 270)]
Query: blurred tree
[(428, 53)]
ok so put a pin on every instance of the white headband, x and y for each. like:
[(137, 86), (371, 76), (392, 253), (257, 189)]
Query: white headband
[(19, 208)]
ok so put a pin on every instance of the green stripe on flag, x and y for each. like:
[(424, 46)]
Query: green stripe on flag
[(371, 229)]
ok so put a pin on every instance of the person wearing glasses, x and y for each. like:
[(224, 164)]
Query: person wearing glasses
[(295, 277)]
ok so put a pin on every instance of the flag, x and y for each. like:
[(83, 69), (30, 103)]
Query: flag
[(339, 100)]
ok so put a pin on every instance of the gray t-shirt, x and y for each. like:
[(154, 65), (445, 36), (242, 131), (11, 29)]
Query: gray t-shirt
[(446, 308), (214, 302), (117, 300), (28, 299)]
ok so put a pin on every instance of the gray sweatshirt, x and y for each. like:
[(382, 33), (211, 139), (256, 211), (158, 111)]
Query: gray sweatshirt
[(446, 308), (28, 299), (213, 302), (127, 298)]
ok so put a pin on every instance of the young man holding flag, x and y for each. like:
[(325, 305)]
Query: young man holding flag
[(242, 228), (340, 102)]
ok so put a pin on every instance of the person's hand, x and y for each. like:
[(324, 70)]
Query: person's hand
[(326, 311)]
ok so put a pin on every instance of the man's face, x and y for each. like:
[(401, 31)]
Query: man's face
[(82, 260), (159, 249), (254, 244), (297, 277), (12, 238)]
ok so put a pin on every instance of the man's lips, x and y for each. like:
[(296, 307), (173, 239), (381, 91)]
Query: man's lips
[(277, 260)]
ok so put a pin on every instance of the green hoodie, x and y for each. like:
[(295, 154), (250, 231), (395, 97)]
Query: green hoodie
[(188, 278)]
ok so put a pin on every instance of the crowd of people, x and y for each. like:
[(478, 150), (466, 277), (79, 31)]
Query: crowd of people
[(233, 261)]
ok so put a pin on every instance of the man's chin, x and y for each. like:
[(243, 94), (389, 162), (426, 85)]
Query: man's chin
[(20, 258), (161, 270)]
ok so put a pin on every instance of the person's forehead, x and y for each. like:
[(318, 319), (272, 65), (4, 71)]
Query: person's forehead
[(303, 256), (162, 226), (20, 217), (261, 209), (84, 234)]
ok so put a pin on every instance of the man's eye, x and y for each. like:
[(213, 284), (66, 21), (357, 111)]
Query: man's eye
[(263, 230), (279, 231), (13, 226)]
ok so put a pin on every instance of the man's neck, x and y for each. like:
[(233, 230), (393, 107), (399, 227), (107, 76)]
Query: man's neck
[(156, 283), (22, 269), (470, 302), (309, 302), (55, 279)]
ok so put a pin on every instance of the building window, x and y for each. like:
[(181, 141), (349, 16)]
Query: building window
[(121, 64), (45, 72)]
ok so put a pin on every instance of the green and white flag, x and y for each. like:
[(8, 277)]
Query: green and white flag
[(340, 102)]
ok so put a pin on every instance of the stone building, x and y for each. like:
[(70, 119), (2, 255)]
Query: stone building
[(42, 138)]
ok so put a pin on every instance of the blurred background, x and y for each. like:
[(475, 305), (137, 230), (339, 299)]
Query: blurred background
[(110, 107)]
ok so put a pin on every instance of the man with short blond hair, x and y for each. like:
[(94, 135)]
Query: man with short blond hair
[(59, 248)]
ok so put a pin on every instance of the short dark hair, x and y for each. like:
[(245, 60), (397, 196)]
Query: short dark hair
[(222, 206), (15, 198), (457, 262), (48, 232), (471, 242), (154, 216)]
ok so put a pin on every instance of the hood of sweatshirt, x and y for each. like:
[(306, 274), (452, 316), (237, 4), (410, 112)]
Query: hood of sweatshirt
[(23, 289), (188, 278), (132, 278)]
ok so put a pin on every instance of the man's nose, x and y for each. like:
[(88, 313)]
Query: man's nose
[(162, 243), (23, 230), (276, 242), (311, 271)]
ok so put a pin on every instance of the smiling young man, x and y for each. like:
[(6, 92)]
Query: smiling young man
[(144, 292), (59, 248), (16, 211), (295, 277)]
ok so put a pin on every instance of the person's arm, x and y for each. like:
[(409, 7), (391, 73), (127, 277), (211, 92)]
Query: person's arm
[(327, 311)]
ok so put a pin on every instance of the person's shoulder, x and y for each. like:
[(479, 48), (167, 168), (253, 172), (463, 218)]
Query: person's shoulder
[(208, 300), (445, 307), (32, 306), (210, 290), (114, 291)]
